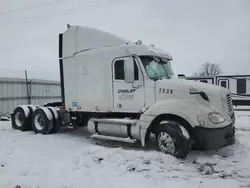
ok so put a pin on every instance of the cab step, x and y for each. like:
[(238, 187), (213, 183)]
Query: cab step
[(128, 140)]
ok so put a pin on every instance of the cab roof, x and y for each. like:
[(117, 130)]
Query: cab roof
[(80, 38)]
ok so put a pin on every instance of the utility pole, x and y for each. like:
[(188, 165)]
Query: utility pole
[(27, 86)]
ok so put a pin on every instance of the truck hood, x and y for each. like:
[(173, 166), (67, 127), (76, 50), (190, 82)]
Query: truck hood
[(180, 88), (185, 85)]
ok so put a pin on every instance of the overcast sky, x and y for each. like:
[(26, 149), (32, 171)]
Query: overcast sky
[(192, 31)]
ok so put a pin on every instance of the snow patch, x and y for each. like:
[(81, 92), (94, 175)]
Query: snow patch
[(184, 132), (25, 109), (112, 166), (47, 112), (32, 106), (207, 169), (54, 111), (4, 118)]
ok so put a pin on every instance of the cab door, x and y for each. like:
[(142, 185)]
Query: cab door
[(128, 85)]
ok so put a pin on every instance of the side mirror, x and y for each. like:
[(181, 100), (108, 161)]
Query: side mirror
[(129, 70), (180, 76)]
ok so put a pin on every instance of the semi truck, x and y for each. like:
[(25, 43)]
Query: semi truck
[(126, 91)]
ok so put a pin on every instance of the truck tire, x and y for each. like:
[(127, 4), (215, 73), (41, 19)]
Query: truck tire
[(32, 108), (21, 118), (42, 120), (172, 140), (56, 120)]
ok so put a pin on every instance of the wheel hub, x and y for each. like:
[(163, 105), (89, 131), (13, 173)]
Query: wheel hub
[(39, 122), (166, 143), (19, 119)]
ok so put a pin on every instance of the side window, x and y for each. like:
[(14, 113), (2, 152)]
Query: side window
[(119, 70), (136, 71), (223, 84), (204, 81), (120, 73), (241, 86)]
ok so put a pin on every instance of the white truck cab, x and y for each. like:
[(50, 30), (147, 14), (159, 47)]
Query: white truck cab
[(125, 90)]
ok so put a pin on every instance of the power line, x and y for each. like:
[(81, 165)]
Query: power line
[(70, 11), (45, 4)]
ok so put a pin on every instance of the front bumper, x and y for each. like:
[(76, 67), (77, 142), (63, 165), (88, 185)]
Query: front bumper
[(208, 139)]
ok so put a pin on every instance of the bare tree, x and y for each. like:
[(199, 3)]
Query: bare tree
[(210, 69)]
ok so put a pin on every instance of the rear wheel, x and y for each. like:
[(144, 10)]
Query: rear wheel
[(56, 120), (32, 108), (172, 139), (42, 120), (21, 118)]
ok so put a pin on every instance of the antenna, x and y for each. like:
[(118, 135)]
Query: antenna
[(139, 42)]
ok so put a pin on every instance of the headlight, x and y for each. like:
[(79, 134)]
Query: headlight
[(216, 118)]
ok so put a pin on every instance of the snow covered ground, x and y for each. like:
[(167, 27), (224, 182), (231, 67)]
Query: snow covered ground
[(70, 159)]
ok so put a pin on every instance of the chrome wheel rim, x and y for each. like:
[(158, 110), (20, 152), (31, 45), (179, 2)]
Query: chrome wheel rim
[(39, 122), (19, 119), (166, 143)]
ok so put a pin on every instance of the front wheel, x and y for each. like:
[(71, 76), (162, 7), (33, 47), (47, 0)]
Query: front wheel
[(173, 139)]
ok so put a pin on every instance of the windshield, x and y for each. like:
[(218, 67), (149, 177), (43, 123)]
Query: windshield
[(156, 67)]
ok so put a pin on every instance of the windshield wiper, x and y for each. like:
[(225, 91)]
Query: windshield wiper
[(156, 78)]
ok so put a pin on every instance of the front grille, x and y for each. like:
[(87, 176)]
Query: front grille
[(229, 103)]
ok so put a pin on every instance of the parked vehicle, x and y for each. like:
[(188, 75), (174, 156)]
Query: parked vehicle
[(126, 91), (239, 85)]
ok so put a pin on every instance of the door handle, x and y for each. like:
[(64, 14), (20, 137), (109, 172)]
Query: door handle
[(136, 85)]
